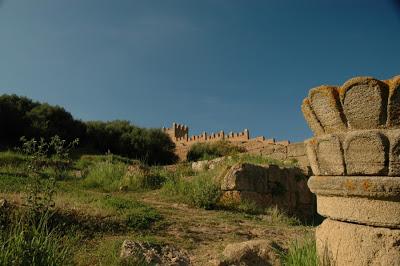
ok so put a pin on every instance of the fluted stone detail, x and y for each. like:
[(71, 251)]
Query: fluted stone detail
[(355, 159)]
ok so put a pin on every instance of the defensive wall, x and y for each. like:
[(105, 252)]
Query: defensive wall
[(282, 150)]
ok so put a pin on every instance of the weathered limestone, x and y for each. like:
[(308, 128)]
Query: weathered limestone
[(341, 243), (269, 186), (311, 118), (394, 102), (366, 153), (356, 170), (365, 102), (325, 103)]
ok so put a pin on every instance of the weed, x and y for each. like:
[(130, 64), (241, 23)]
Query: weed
[(301, 253)]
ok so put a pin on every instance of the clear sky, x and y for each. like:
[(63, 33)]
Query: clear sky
[(210, 64)]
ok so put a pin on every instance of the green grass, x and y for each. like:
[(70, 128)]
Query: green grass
[(137, 216), (31, 242), (105, 176), (301, 253), (200, 191)]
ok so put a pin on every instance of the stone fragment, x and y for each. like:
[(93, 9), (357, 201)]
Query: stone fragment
[(394, 155), (311, 145), (326, 105), (394, 102), (330, 155), (340, 243), (364, 101), (253, 252), (245, 177), (200, 166), (366, 153), (311, 118), (296, 149), (140, 253)]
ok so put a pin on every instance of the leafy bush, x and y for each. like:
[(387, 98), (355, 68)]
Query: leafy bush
[(199, 191), (20, 116), (151, 146), (206, 151), (106, 176)]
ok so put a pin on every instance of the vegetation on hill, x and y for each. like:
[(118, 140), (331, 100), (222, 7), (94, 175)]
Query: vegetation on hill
[(207, 151), (20, 116), (100, 200)]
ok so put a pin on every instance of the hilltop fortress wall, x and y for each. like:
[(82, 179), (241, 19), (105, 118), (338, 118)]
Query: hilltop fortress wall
[(282, 150)]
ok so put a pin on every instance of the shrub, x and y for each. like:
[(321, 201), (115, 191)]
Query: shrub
[(106, 176), (151, 146), (206, 151), (199, 191), (20, 116), (147, 179)]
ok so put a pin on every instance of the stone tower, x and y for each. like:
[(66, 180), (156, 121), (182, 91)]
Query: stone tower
[(355, 159)]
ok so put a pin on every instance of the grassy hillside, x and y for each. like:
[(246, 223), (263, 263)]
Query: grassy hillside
[(80, 211)]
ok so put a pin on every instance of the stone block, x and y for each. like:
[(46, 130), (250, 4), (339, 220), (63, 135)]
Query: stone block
[(394, 154), (326, 105), (394, 103), (296, 149), (364, 102), (245, 177), (366, 153), (312, 155), (311, 118), (343, 244), (370, 200), (330, 155)]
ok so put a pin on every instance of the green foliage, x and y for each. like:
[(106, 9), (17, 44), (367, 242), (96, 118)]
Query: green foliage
[(301, 253), (207, 151), (200, 191), (138, 216), (106, 176), (151, 146), (47, 121), (20, 116)]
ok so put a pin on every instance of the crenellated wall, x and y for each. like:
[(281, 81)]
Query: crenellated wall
[(281, 150)]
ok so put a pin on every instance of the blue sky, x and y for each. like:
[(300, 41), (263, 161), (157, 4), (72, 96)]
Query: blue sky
[(210, 64)]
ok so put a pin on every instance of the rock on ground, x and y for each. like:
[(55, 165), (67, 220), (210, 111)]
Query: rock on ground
[(251, 253), (153, 254)]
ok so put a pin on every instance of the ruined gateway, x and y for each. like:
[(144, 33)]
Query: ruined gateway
[(355, 160)]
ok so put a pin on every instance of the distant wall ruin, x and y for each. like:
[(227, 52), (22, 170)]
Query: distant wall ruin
[(281, 150)]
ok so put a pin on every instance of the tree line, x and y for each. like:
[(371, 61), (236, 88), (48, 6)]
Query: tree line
[(21, 116)]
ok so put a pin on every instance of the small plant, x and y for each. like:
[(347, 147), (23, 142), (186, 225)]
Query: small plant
[(301, 253)]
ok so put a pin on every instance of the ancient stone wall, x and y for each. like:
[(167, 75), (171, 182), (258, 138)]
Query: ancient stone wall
[(281, 150), (269, 186), (355, 158)]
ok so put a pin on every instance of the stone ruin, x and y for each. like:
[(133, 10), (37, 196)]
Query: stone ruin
[(281, 150), (355, 160)]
